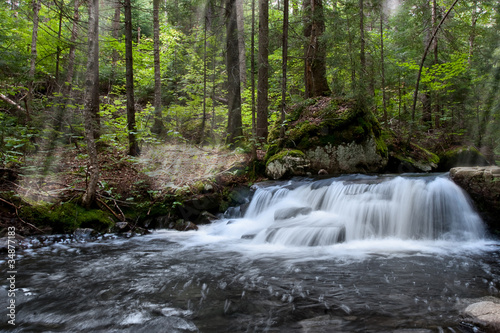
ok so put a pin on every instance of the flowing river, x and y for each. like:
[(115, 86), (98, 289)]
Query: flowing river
[(346, 254)]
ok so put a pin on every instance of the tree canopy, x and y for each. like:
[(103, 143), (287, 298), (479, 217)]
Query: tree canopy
[(364, 50)]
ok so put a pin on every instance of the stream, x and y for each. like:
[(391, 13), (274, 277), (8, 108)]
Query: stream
[(346, 254)]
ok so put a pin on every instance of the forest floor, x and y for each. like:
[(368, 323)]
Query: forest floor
[(61, 177)]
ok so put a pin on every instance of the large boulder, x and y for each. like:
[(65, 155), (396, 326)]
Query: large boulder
[(483, 186), (485, 314), (350, 157), (332, 135), (460, 157)]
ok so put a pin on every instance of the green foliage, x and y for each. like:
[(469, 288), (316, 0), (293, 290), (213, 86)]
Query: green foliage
[(15, 141)]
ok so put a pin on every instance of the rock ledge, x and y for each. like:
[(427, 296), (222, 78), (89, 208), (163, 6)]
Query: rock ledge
[(483, 186)]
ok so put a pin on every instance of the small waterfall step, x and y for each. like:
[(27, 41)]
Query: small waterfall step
[(348, 208)]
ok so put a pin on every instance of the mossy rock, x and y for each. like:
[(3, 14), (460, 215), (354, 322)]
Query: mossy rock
[(287, 163), (284, 153), (325, 121), (413, 159), (464, 156), (67, 217), (337, 135)]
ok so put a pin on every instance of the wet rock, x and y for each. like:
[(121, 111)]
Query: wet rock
[(4, 245), (341, 236), (190, 226), (248, 236), (322, 172), (288, 213), (244, 208), (192, 209), (485, 314), (206, 218), (483, 186), (182, 225), (85, 234)]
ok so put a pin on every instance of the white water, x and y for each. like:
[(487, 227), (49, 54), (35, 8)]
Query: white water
[(356, 211), (414, 253)]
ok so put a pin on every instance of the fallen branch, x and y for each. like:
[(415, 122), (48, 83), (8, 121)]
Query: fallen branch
[(118, 207), (11, 102), (108, 208)]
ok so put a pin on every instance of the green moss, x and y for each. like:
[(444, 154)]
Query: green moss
[(381, 146), (271, 151), (428, 156), (286, 152), (66, 217), (302, 130)]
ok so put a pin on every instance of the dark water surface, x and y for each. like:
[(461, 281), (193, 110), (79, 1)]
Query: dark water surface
[(211, 280), (152, 284)]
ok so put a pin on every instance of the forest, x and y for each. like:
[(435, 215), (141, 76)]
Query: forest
[(98, 83)]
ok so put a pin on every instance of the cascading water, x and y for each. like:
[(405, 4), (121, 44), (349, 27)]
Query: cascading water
[(346, 254), (332, 211)]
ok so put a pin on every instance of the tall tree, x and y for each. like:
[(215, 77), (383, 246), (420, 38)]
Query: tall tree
[(284, 66), (436, 108), (362, 55), (158, 126), (234, 123), (240, 18), (424, 55), (252, 80), (263, 75), (91, 82), (59, 31), (72, 50), (382, 62), (115, 31), (316, 83), (129, 77), (34, 39)]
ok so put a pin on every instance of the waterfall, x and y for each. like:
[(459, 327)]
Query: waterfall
[(326, 212)]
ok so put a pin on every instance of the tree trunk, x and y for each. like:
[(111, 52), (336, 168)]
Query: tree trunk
[(415, 93), (284, 60), (91, 81), (426, 96), (315, 51), (72, 50), (384, 102), (129, 86), (263, 75), (436, 111), (252, 79), (362, 54), (58, 48), (234, 123), (115, 27), (240, 19), (350, 52), (475, 17), (158, 127), (31, 74)]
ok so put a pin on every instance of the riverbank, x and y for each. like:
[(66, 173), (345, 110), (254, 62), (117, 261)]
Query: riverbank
[(166, 186)]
